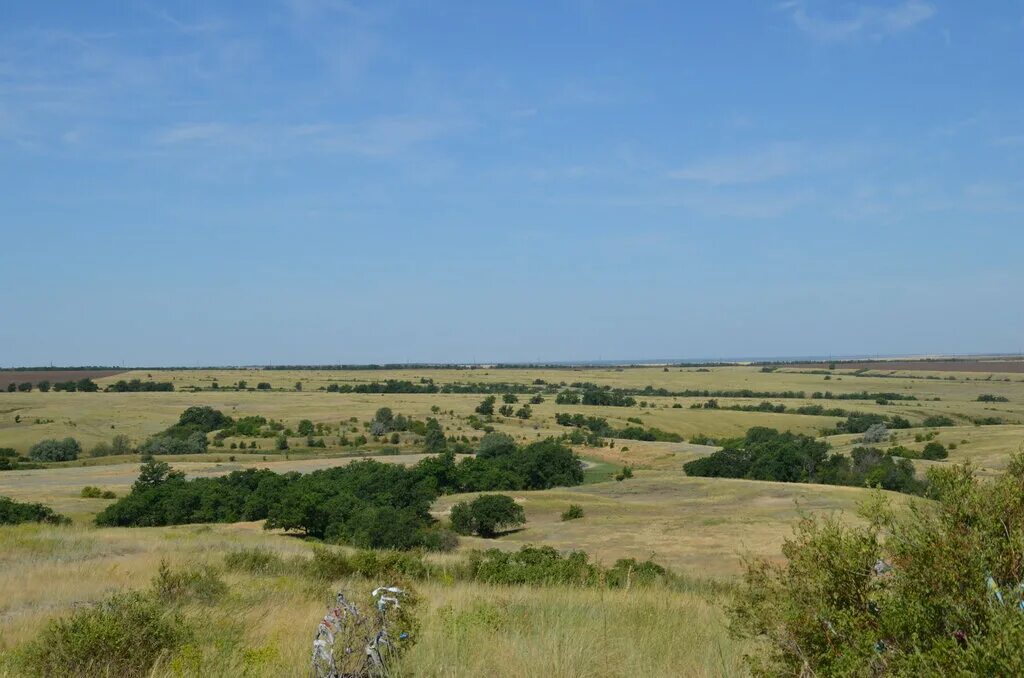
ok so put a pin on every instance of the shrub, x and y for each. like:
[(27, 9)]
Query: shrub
[(574, 512), (67, 449), (203, 585), (628, 572), (123, 635), (937, 420), (934, 450), (534, 566), (16, 512), (195, 443), (876, 433), (932, 592), (254, 561), (486, 515)]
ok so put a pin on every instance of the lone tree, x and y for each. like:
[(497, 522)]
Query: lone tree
[(434, 441), (487, 515), (306, 427), (486, 406)]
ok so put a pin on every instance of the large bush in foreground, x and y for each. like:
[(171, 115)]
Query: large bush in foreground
[(121, 636), (935, 590)]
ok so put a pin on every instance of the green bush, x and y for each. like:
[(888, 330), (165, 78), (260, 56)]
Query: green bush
[(934, 450), (574, 512), (541, 565), (202, 584), (486, 515), (67, 449), (124, 636), (255, 561), (16, 512), (940, 594)]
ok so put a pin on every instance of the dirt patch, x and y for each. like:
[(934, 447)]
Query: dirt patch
[(53, 376), (1012, 366)]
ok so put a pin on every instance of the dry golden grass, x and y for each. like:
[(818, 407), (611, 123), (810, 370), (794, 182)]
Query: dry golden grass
[(264, 626), (695, 525), (699, 526)]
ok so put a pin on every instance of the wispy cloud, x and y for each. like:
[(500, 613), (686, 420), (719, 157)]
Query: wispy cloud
[(765, 164), (858, 20), (381, 136)]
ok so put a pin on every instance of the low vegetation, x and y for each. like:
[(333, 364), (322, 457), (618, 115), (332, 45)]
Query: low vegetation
[(15, 512), (933, 592)]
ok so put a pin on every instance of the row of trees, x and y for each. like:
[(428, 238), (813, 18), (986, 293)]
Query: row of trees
[(85, 385), (486, 406), (137, 386)]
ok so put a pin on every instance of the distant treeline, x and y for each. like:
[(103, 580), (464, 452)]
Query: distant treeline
[(137, 385), (84, 368), (367, 503), (428, 386)]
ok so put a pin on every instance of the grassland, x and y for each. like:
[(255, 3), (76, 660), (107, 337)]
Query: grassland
[(699, 527)]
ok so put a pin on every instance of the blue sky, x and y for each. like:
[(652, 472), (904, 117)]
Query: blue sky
[(338, 181)]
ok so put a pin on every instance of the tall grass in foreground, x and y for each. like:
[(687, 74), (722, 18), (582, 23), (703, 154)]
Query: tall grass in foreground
[(477, 630), (263, 622)]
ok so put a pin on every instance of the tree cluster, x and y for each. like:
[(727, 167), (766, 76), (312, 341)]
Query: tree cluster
[(67, 449), (766, 454), (366, 503)]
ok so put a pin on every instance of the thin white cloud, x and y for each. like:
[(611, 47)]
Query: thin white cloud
[(772, 162), (859, 20), (381, 136)]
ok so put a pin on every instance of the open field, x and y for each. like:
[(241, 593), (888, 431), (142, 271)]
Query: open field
[(699, 527), (95, 417), (53, 376), (263, 627), (1009, 365)]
